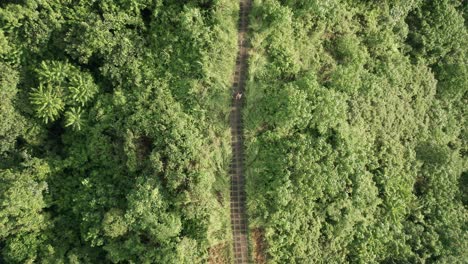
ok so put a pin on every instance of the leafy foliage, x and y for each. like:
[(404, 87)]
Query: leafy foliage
[(73, 118), (48, 102), (356, 142), (12, 122), (114, 144), (113, 138)]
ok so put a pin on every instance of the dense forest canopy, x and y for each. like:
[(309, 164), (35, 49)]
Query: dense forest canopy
[(356, 130), (114, 145), (115, 142)]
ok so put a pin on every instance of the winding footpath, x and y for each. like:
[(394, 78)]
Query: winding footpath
[(238, 195)]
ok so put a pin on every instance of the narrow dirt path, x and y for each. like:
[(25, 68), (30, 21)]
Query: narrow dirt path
[(238, 195)]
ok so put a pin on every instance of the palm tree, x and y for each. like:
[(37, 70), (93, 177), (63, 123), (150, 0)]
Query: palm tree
[(81, 89), (53, 72), (73, 118), (47, 102)]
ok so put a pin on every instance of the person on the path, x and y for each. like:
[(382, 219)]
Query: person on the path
[(238, 95)]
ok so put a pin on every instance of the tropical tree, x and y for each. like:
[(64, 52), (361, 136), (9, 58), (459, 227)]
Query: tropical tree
[(47, 101), (73, 118)]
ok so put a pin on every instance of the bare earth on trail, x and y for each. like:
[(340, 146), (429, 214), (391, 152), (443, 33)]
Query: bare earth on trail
[(258, 237)]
